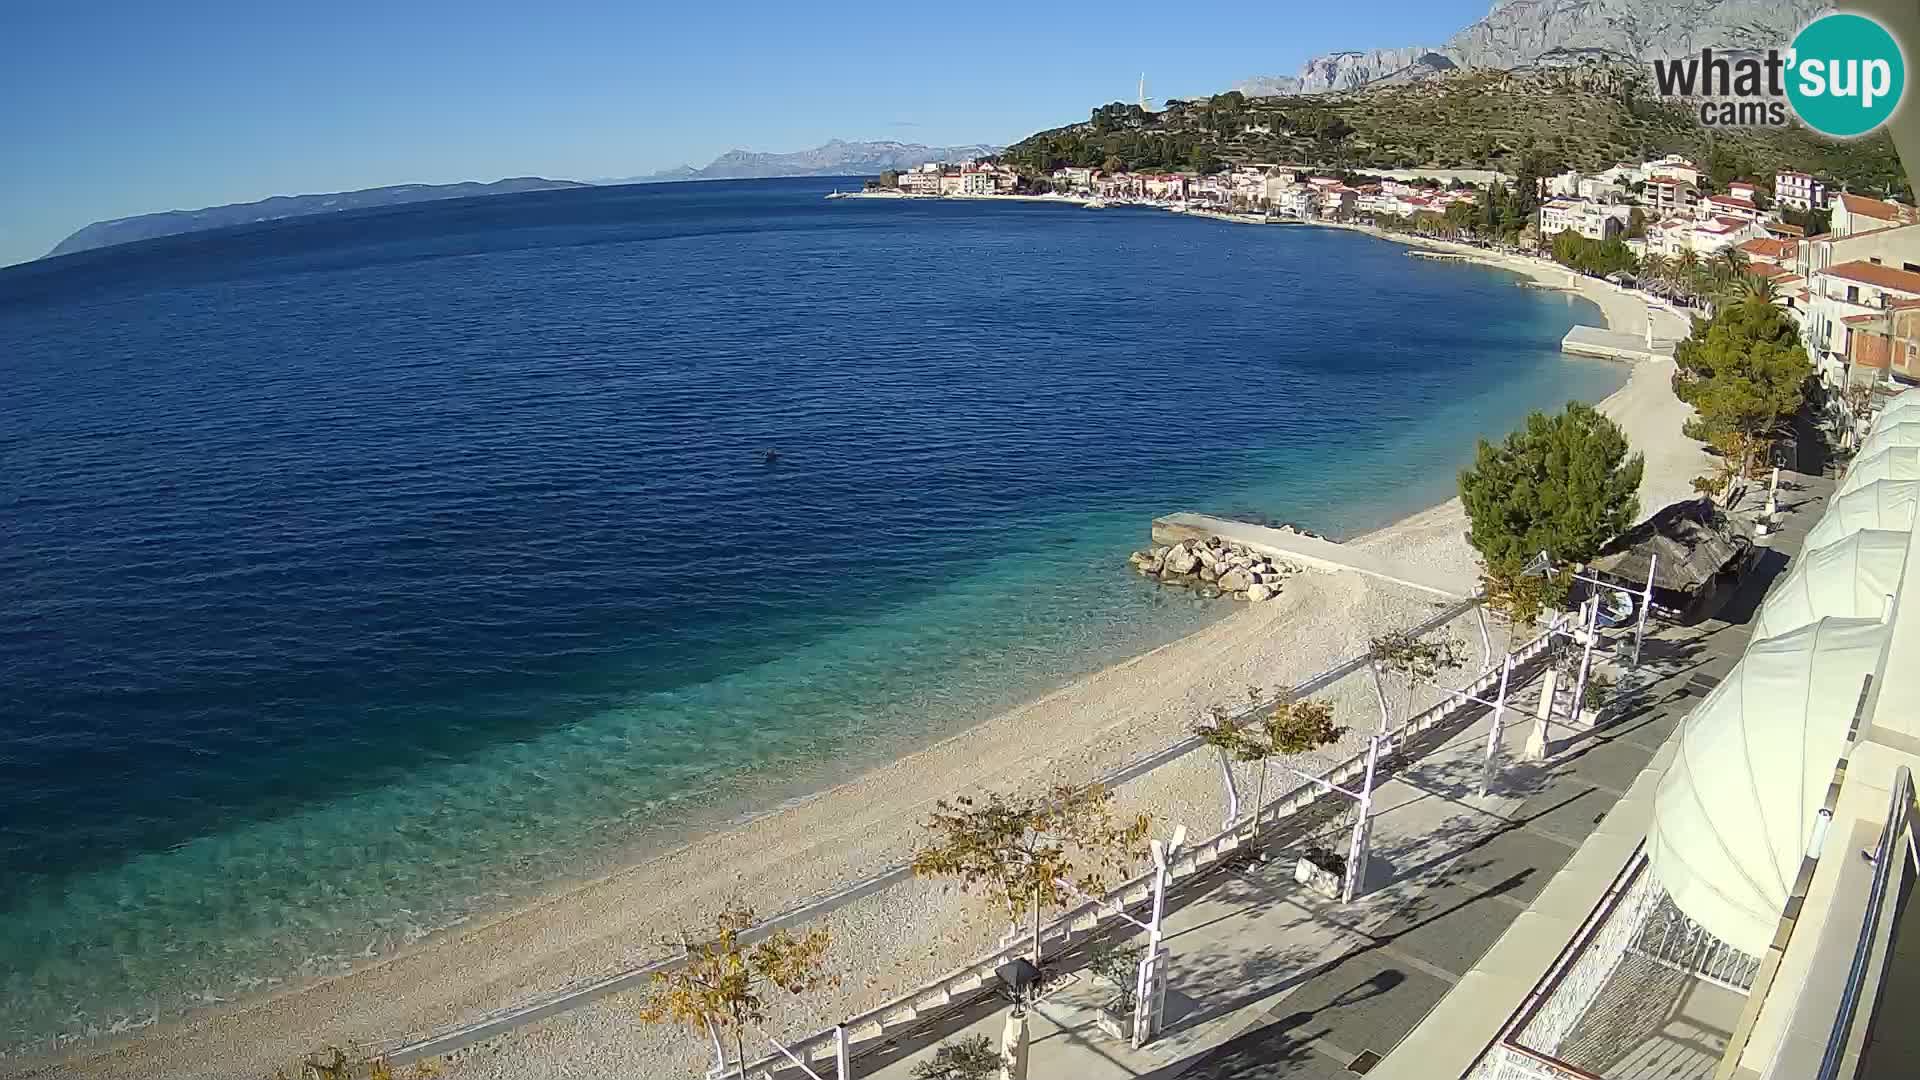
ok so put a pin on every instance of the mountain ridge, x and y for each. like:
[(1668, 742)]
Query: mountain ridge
[(835, 157), (126, 230)]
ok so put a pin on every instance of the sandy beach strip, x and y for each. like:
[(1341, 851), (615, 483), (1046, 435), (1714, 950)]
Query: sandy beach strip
[(891, 940)]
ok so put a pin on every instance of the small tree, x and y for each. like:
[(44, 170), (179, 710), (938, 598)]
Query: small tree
[(1292, 727), (1020, 849), (970, 1057), (1517, 597), (718, 987), (1563, 484), (1415, 659)]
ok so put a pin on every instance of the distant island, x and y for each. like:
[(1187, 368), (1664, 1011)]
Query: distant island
[(837, 157), (173, 222)]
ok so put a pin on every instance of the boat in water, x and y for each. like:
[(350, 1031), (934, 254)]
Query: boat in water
[(1095, 204)]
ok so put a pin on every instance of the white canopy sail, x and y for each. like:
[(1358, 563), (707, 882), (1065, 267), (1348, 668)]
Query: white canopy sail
[(1901, 403), (1893, 463), (1735, 810), (1903, 431), (1849, 579), (1884, 504)]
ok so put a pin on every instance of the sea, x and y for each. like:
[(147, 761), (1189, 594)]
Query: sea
[(366, 573)]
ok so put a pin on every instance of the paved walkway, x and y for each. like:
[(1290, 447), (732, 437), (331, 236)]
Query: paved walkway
[(1270, 980)]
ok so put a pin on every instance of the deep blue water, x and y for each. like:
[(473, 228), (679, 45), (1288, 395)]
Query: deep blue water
[(365, 571)]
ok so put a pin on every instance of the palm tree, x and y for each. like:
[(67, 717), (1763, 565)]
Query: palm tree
[(1729, 263), (1656, 274), (1687, 274), (1752, 288)]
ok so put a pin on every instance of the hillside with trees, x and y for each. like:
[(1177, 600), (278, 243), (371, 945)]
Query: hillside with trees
[(1586, 117)]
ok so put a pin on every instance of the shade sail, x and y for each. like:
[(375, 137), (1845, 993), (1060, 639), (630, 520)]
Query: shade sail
[(1904, 431), (1884, 504), (1893, 463), (1902, 403), (1849, 579), (1735, 810)]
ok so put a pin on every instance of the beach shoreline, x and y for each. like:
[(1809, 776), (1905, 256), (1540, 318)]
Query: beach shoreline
[(860, 827)]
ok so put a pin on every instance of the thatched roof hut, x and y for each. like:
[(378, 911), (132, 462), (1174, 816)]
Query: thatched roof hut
[(1690, 544)]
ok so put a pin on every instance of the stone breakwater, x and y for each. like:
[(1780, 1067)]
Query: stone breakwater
[(1215, 567)]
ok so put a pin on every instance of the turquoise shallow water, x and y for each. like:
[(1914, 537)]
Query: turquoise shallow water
[(380, 569)]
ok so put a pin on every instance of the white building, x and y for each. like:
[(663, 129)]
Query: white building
[(1676, 235), (1799, 190), (1672, 165), (1733, 205), (1589, 219), (1848, 290), (1666, 194), (1567, 183), (1601, 190), (1857, 214)]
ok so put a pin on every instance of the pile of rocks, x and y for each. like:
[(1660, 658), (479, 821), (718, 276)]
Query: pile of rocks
[(1215, 567)]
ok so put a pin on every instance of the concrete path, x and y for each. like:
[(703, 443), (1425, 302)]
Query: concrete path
[(1310, 551), (1270, 980)]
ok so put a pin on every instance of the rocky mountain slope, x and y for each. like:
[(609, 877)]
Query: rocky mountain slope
[(1520, 33), (834, 158), (172, 222)]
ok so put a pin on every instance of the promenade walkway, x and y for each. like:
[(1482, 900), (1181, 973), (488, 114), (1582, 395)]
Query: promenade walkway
[(1270, 980)]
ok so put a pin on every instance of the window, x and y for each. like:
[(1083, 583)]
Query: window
[(1853, 294), (1874, 259)]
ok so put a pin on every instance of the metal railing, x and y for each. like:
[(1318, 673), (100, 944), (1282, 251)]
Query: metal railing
[(1671, 939), (1897, 834)]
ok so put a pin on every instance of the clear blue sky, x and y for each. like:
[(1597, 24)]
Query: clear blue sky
[(120, 108)]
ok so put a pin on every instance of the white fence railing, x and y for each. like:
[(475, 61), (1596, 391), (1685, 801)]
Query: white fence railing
[(1670, 939)]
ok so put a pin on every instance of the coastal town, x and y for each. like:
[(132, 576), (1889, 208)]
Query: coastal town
[(1845, 265)]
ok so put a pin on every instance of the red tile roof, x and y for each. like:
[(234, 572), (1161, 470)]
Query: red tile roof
[(1732, 200), (1882, 277), (1875, 208), (1766, 247)]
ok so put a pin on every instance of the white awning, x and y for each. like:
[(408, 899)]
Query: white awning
[(1893, 463), (1903, 431), (1902, 402), (1884, 504), (1734, 813), (1850, 579)]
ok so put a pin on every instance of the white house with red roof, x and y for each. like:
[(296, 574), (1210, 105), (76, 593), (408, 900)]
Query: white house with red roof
[(1666, 194), (1732, 206), (1847, 294), (1703, 237), (1858, 213)]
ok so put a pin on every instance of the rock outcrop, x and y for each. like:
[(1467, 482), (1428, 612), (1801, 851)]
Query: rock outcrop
[(1214, 567), (1520, 32), (1526, 33)]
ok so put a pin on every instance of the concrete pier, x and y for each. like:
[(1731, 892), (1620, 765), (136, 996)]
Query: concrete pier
[(1307, 551), (1614, 344)]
